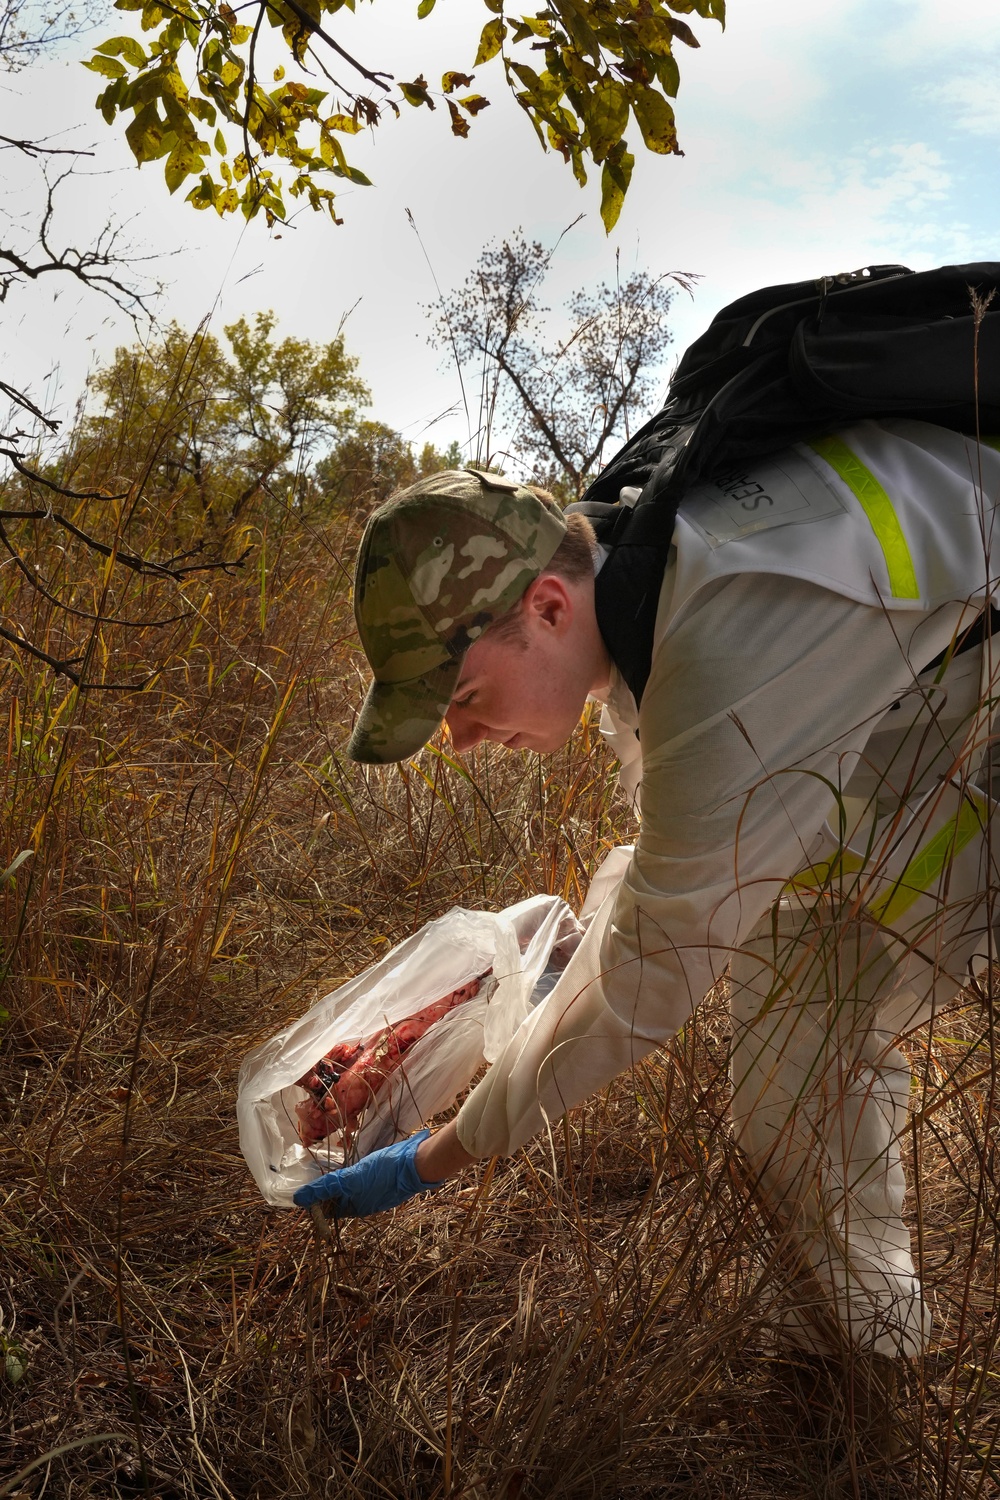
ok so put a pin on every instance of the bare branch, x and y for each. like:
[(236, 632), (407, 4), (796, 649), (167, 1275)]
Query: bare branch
[(66, 668), (340, 87), (27, 31), (98, 267), (62, 668), (92, 266), (50, 484), (315, 29), (37, 148), (169, 568), (81, 614), (21, 399), (248, 155)]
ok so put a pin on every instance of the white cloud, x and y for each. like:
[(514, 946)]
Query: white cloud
[(921, 33), (794, 215), (972, 101), (950, 59)]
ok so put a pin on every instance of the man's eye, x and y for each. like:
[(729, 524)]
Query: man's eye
[(464, 701)]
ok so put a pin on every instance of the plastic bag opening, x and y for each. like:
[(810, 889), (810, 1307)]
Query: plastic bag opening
[(521, 950)]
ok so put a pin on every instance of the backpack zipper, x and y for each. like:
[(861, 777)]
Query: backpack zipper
[(822, 295)]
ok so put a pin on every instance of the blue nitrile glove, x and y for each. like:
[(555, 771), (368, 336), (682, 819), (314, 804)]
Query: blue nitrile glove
[(379, 1181)]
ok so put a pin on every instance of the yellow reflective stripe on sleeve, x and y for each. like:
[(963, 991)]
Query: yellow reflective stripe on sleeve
[(927, 864), (822, 876), (879, 509)]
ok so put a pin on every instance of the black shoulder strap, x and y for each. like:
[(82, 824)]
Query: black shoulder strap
[(626, 596), (627, 588)]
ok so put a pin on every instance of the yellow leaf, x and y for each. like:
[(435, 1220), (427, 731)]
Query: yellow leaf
[(172, 85), (346, 124), (124, 46), (615, 178), (415, 93), (491, 41), (181, 163), (331, 151), (452, 81), (145, 134), (656, 121), (605, 114), (108, 66), (655, 35)]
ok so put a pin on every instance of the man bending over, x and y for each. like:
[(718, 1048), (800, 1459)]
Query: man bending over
[(802, 758)]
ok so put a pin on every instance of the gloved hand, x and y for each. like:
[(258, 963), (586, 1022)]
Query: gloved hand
[(382, 1180)]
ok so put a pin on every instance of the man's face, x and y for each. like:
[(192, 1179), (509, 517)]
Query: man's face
[(503, 697), (526, 693)]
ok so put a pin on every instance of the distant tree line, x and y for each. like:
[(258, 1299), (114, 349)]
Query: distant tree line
[(218, 427)]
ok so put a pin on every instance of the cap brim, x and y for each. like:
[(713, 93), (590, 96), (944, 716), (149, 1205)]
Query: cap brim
[(398, 718)]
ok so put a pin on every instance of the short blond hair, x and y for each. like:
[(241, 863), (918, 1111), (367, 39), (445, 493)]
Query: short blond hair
[(572, 560)]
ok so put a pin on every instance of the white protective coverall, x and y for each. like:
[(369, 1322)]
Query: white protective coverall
[(786, 731)]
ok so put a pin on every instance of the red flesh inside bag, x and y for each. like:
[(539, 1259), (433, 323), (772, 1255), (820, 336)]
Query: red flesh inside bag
[(348, 1077)]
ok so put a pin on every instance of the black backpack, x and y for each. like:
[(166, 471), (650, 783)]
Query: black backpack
[(783, 365)]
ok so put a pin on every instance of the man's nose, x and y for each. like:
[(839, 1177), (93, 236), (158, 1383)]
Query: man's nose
[(463, 730)]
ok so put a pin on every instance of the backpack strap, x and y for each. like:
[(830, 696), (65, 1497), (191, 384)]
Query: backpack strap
[(627, 588), (626, 598)]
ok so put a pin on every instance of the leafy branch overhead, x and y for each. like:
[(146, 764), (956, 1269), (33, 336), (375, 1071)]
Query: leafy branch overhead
[(582, 70)]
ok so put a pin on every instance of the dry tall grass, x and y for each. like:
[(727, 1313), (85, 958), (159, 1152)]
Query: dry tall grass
[(591, 1318)]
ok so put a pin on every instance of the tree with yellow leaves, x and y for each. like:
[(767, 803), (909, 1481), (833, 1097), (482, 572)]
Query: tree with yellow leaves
[(582, 71)]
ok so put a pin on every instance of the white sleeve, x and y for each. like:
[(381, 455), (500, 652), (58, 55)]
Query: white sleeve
[(758, 704)]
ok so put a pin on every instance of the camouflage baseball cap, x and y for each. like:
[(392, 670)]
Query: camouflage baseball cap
[(437, 564)]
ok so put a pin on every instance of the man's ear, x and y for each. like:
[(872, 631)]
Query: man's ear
[(548, 602)]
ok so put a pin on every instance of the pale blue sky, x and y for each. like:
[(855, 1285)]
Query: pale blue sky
[(818, 137)]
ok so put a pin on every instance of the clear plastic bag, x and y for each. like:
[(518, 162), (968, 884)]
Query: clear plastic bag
[(523, 946)]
